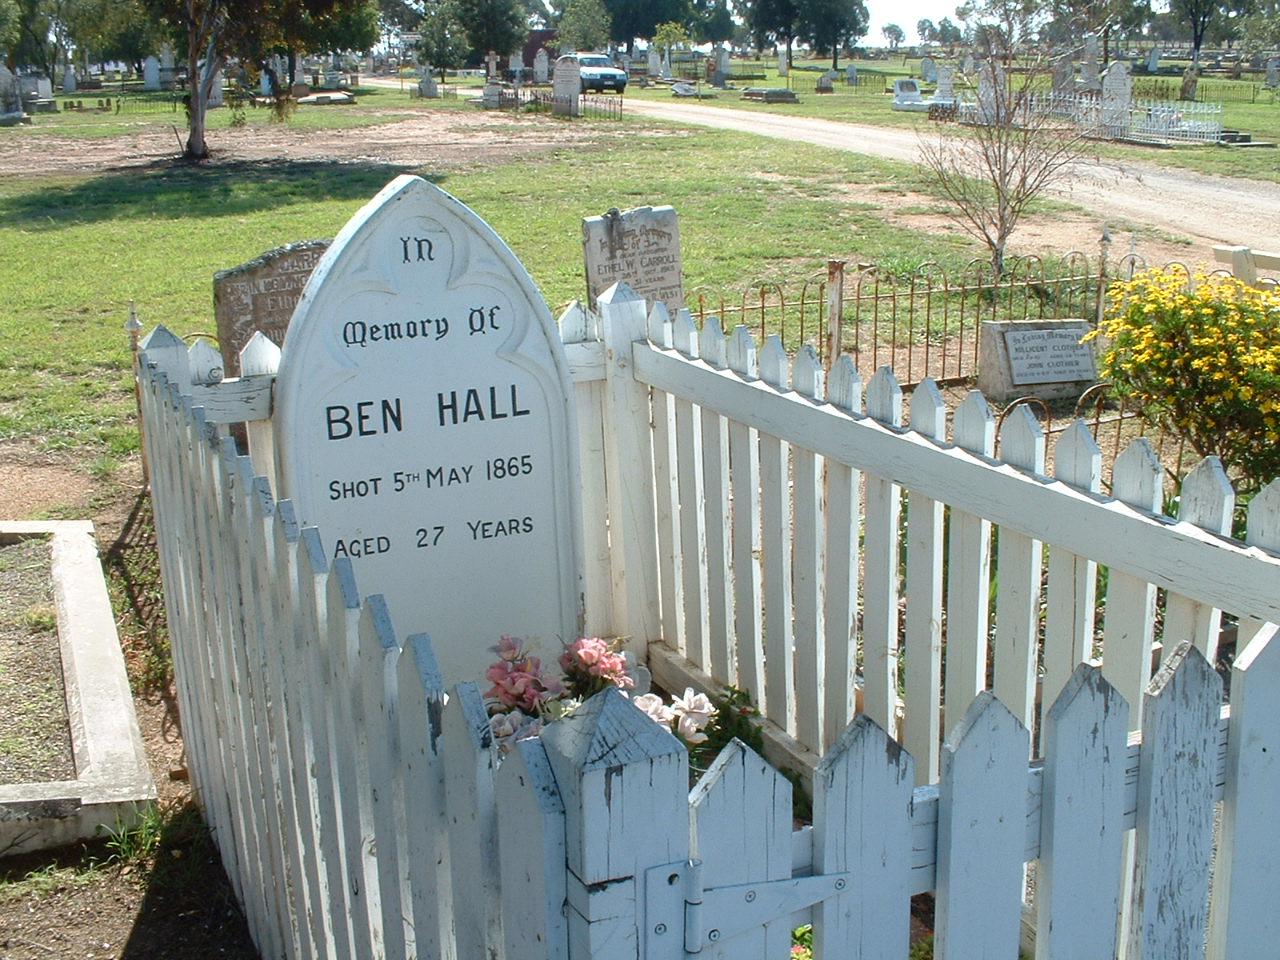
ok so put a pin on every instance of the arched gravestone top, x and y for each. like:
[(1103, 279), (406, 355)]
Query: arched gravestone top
[(424, 422)]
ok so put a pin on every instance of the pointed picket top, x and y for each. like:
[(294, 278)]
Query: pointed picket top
[(377, 635), (609, 730), (260, 356), (711, 343), (166, 352), (1207, 498), (1022, 441), (742, 353), (1082, 817), (1077, 459), (844, 386), (1264, 518), (422, 693), (1136, 477), (659, 325), (862, 792), (742, 812), (884, 397), (774, 363), (576, 323), (624, 781), (807, 375), (204, 361), (928, 410), (684, 334), (974, 426)]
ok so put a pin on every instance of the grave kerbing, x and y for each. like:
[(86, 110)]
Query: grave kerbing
[(424, 422)]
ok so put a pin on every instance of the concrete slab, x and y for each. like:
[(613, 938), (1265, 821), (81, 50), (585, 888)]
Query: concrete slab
[(113, 782)]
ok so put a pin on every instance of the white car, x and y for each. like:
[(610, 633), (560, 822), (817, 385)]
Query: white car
[(598, 73)]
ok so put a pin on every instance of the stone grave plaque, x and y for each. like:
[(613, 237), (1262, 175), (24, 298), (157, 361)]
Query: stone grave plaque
[(640, 247), (424, 422), (1040, 357), (260, 296)]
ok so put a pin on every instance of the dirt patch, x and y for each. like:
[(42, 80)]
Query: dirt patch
[(34, 483)]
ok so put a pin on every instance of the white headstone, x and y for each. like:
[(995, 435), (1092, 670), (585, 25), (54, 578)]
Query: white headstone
[(424, 422), (991, 90), (515, 63), (566, 88), (1064, 76), (851, 75), (722, 60), (784, 68), (166, 56), (928, 70), (640, 247), (1273, 72), (946, 83), (69, 81), (655, 62), (44, 87), (541, 66), (665, 71), (1117, 98), (1153, 60)]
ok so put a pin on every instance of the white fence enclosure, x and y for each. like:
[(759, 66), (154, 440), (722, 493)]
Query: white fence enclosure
[(998, 684)]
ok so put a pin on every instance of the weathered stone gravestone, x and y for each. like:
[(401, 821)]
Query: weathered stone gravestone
[(10, 94), (69, 81), (423, 420), (1117, 99), (1042, 358), (541, 66), (991, 93), (640, 247), (1089, 78), (851, 75), (1153, 60), (151, 73), (1064, 76), (427, 87), (928, 70), (215, 91), (1190, 81), (969, 65), (259, 297), (1273, 72), (945, 93), (566, 88), (655, 62)]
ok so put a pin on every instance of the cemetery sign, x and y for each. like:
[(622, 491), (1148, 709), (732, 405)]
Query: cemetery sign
[(424, 422)]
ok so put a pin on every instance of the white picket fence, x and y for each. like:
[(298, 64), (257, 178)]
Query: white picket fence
[(362, 812)]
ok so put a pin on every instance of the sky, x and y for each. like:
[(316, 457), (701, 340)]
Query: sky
[(905, 13)]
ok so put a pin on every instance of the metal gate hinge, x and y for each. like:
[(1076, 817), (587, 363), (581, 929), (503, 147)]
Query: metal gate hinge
[(681, 918)]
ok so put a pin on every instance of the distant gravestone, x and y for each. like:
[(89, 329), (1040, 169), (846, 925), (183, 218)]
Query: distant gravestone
[(215, 91), (10, 95), (427, 87), (1117, 99), (168, 74), (655, 62), (566, 88), (722, 60), (1153, 60), (424, 422), (665, 70), (968, 65), (1190, 80), (851, 75), (640, 247), (259, 297), (928, 70), (946, 84), (541, 66), (784, 65), (991, 90), (1089, 77), (69, 81), (825, 85), (1044, 358), (1273, 72), (1064, 76)]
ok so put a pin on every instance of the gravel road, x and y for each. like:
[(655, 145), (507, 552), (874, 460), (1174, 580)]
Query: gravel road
[(1207, 210)]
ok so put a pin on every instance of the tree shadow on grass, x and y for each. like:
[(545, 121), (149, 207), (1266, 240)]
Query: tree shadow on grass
[(173, 189)]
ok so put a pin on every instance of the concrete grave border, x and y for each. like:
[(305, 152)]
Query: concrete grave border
[(113, 781)]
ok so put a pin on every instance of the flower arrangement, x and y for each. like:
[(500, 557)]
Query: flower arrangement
[(525, 697), (1201, 355)]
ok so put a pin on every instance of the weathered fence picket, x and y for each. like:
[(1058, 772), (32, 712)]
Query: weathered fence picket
[(361, 811)]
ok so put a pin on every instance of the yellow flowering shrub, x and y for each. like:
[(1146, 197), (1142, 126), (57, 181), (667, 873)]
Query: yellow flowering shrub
[(1203, 360)]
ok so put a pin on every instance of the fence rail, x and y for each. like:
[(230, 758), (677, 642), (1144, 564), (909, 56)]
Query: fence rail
[(848, 556)]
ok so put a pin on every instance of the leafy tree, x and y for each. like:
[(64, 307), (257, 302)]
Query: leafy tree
[(833, 24), (584, 25), (43, 34), (990, 171), (894, 34), (669, 35), (217, 30), (948, 32), (712, 21), (640, 18), (775, 21), (1260, 31), (1104, 18), (442, 38), (926, 30), (493, 25), (9, 26), (1198, 15)]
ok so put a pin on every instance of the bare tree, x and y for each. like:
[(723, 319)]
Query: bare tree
[(1002, 155)]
